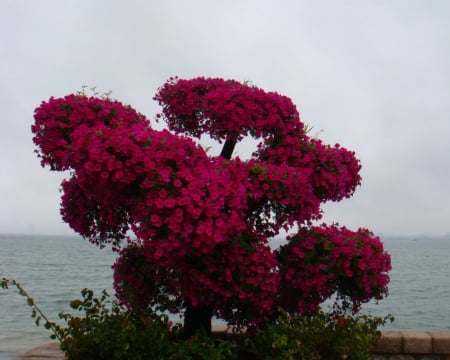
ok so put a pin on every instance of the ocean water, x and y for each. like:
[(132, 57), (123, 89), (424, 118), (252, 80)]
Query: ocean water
[(54, 269), (419, 290)]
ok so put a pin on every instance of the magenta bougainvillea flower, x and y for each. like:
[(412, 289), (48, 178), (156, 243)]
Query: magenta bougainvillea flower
[(190, 226)]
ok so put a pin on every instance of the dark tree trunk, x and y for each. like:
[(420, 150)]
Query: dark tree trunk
[(196, 318), (199, 317)]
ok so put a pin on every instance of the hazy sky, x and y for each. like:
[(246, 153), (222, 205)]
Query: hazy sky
[(373, 76)]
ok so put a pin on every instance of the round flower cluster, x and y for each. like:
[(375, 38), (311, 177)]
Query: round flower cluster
[(201, 224), (320, 261), (333, 171), (227, 110), (127, 175), (238, 282), (57, 119)]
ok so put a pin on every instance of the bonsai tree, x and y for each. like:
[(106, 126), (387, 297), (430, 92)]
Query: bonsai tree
[(193, 231)]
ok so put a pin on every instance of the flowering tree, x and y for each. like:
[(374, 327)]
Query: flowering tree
[(192, 230)]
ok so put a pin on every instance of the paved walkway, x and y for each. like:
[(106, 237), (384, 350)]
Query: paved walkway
[(43, 352)]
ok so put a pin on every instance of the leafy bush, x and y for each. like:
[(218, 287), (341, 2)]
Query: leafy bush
[(337, 334), (103, 329)]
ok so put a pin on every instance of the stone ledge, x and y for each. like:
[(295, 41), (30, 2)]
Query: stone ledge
[(441, 342), (413, 342), (417, 342), (389, 343), (49, 351)]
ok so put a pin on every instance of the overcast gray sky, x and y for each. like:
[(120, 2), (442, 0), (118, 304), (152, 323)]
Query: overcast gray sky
[(373, 76)]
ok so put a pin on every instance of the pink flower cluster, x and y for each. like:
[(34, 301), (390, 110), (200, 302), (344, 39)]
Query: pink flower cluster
[(227, 109), (61, 122), (238, 281), (291, 174), (323, 260), (201, 224)]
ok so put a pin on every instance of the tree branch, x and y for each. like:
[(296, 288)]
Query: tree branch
[(228, 149)]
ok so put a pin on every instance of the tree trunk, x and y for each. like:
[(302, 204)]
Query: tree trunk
[(199, 317), (196, 318), (227, 149)]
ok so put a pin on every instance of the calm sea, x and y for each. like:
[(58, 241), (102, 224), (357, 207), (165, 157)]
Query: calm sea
[(54, 269)]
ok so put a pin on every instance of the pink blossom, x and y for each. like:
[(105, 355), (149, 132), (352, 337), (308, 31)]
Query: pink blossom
[(201, 225)]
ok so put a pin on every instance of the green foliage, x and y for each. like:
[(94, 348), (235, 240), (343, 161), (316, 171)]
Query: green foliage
[(323, 335), (94, 92), (109, 332), (36, 313), (103, 330)]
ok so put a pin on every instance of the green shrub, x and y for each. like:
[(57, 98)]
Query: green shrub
[(337, 334), (107, 331), (101, 329)]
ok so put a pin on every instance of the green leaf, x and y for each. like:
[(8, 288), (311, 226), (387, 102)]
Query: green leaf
[(75, 304), (4, 283)]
